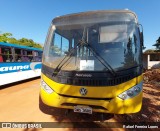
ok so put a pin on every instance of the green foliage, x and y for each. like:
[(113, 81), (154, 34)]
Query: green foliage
[(157, 44), (158, 40), (6, 37), (149, 51)]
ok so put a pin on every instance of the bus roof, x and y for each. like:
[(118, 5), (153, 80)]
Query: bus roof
[(19, 46), (97, 12)]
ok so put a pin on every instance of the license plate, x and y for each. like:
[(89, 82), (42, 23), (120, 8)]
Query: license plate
[(83, 109)]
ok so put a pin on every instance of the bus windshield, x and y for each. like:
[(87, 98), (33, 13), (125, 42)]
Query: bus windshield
[(113, 37)]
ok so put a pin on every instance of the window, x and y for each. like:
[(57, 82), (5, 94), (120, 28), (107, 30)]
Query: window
[(113, 33), (11, 54), (59, 46), (6, 54), (154, 57), (26, 55), (18, 55), (37, 56), (1, 58), (22, 55)]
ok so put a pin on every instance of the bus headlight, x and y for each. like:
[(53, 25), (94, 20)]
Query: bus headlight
[(46, 87), (135, 90)]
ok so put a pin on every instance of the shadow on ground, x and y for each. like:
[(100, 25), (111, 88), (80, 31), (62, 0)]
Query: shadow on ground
[(18, 82), (77, 120), (150, 112)]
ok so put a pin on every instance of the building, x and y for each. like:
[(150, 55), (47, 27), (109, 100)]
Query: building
[(151, 59)]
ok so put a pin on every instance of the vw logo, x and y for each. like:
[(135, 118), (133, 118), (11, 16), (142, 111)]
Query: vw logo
[(83, 91)]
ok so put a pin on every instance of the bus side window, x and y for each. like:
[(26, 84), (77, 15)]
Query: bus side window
[(26, 55), (6, 54), (1, 58), (40, 56), (29, 55), (37, 56), (18, 55)]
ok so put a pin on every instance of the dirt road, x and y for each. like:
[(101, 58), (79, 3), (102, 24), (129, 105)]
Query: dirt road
[(20, 103)]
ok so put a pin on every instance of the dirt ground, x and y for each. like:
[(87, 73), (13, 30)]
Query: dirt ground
[(20, 103)]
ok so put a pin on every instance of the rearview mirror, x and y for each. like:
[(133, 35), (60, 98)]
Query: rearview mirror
[(141, 35), (141, 38)]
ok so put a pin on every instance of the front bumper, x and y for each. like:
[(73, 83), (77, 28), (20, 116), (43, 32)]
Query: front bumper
[(114, 105)]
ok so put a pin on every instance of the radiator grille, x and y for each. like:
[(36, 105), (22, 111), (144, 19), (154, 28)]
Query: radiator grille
[(95, 82)]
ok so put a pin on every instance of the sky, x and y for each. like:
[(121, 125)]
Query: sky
[(32, 18)]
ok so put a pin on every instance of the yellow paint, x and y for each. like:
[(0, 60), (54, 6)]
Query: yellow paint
[(116, 105)]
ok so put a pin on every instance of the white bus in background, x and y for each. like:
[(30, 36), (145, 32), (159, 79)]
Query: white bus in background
[(18, 62)]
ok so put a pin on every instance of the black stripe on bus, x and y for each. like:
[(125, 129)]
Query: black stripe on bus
[(96, 78)]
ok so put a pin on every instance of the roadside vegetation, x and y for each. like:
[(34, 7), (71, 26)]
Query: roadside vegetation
[(157, 45), (7, 38)]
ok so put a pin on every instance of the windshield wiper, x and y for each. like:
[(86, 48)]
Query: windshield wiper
[(65, 59), (83, 43), (101, 59), (60, 65)]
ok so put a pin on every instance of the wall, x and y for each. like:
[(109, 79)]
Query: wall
[(152, 64)]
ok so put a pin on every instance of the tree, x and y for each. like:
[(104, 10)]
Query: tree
[(5, 37), (158, 40), (149, 51), (12, 40), (157, 43)]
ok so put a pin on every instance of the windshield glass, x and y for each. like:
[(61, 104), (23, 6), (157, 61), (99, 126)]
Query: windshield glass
[(116, 42)]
